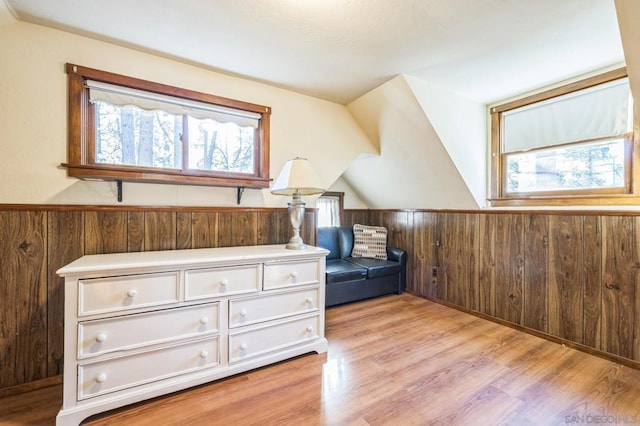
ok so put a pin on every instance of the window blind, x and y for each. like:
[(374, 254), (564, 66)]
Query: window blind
[(122, 96), (597, 112)]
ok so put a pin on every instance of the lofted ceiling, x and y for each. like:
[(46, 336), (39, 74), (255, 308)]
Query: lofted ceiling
[(338, 50)]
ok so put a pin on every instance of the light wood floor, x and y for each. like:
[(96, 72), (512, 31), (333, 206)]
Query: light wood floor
[(397, 360)]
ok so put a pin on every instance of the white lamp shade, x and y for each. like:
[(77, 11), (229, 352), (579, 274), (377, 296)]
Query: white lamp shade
[(297, 176)]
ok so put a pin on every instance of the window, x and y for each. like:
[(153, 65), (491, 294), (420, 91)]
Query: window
[(122, 128), (570, 145), (330, 207)]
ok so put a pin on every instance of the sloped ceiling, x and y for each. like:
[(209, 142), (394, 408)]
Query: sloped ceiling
[(339, 50), (413, 170)]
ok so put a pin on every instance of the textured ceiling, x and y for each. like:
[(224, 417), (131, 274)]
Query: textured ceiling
[(338, 50)]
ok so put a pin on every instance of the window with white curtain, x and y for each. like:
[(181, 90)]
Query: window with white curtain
[(573, 143), (329, 207), (123, 128)]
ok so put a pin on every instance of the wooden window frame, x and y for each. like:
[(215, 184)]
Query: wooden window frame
[(628, 195), (81, 134)]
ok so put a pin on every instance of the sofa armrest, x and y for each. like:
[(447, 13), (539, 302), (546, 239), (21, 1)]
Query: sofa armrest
[(397, 255)]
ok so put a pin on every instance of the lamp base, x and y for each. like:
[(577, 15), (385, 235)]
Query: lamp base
[(296, 244), (296, 215)]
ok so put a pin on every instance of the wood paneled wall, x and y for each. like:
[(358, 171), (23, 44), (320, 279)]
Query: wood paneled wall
[(35, 241), (570, 275), (574, 276)]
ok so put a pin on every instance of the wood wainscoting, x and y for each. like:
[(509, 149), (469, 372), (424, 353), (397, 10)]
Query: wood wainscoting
[(571, 275), (35, 241)]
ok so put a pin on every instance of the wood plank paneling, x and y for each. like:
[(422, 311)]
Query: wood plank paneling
[(105, 232), (23, 317), (36, 242), (237, 229), (487, 264), (159, 231), (458, 259), (493, 262), (620, 280), (204, 230), (592, 275), (425, 257), (267, 228), (510, 267), (566, 260), (65, 243), (135, 231), (535, 272), (352, 217), (308, 230), (183, 230)]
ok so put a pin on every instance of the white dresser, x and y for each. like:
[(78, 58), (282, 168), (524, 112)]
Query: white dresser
[(140, 325)]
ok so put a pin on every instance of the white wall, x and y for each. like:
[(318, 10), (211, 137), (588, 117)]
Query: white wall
[(33, 122), (351, 198), (413, 168), (461, 125)]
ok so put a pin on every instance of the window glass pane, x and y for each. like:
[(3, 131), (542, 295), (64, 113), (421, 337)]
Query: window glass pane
[(581, 166), (220, 147), (127, 135)]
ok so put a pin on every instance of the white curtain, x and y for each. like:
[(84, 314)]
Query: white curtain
[(328, 211), (598, 112), (121, 96)]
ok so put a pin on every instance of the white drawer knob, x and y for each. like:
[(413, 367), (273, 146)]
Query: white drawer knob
[(293, 274), (102, 377), (243, 347), (101, 337), (132, 292), (224, 282), (204, 354), (309, 300), (309, 329), (204, 320), (243, 313)]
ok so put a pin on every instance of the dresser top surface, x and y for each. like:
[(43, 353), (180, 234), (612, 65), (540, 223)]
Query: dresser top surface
[(186, 258)]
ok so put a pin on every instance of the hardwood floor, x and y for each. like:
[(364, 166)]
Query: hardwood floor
[(398, 360)]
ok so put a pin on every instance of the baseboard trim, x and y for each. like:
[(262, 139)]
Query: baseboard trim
[(30, 386), (568, 343)]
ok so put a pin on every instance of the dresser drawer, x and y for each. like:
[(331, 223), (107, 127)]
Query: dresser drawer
[(112, 294), (125, 372), (216, 282), (134, 331), (285, 274), (272, 306), (261, 340)]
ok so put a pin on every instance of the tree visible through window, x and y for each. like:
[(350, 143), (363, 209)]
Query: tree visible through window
[(127, 129)]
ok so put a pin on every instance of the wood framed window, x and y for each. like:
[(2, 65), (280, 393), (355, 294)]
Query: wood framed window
[(572, 145), (330, 207), (126, 129)]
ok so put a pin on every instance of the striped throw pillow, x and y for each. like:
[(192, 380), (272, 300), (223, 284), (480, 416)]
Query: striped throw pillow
[(369, 241)]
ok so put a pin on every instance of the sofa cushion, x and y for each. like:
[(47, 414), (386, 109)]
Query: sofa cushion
[(328, 239), (369, 241), (345, 238), (339, 270), (376, 267)]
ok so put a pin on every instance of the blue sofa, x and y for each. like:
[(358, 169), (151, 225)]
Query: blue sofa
[(355, 278)]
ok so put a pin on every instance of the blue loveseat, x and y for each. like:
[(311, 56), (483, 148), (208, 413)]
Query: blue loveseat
[(355, 278)]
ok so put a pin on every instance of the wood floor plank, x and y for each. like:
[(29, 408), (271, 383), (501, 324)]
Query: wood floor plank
[(398, 360)]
